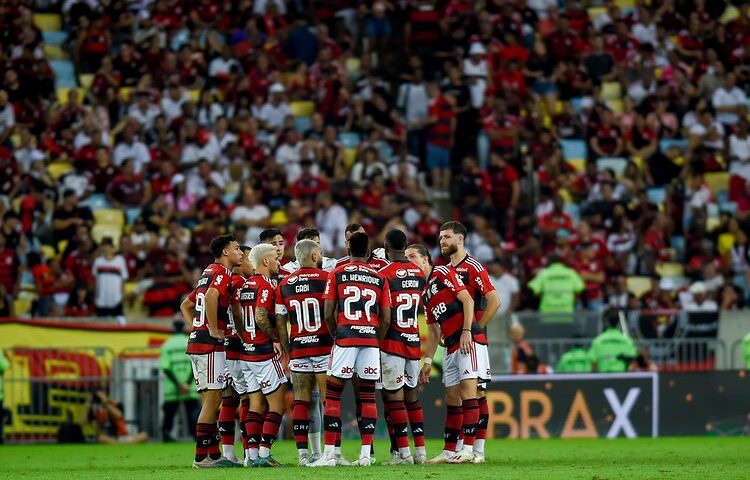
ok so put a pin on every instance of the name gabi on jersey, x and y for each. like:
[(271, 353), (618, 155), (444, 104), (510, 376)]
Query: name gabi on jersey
[(304, 288), (355, 277)]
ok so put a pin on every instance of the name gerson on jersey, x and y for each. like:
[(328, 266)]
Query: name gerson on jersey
[(442, 306), (476, 278), (214, 276), (256, 292), (406, 283), (300, 296), (360, 293)]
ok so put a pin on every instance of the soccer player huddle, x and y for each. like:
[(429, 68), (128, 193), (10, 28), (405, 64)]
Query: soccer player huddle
[(320, 322)]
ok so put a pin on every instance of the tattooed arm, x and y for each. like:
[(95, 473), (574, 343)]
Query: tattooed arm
[(263, 322)]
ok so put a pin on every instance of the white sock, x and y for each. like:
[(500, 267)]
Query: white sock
[(302, 452), (247, 453), (264, 452), (314, 440), (228, 451), (420, 451), (331, 451), (469, 448), (479, 445), (365, 451), (459, 444), (253, 453), (404, 452)]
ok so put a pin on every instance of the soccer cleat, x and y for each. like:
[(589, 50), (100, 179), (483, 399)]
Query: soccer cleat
[(303, 460), (323, 462), (462, 456), (269, 461), (208, 462), (341, 461), (249, 462), (443, 457), (364, 461), (478, 457), (205, 463), (235, 461), (420, 459), (403, 460), (394, 458)]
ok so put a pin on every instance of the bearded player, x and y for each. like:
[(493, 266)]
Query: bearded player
[(486, 302), (400, 352), (449, 310), (299, 301)]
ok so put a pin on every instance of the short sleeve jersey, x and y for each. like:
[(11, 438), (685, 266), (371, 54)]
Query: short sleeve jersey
[(406, 283), (214, 276), (300, 297), (257, 292), (360, 293), (477, 281), (442, 306)]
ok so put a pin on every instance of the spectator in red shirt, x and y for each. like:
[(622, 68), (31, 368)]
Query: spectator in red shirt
[(441, 123), (129, 189), (9, 264), (551, 222), (80, 302), (607, 139), (308, 185), (505, 192), (592, 272)]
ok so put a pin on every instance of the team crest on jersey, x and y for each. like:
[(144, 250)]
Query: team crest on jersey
[(401, 273), (350, 268), (291, 280)]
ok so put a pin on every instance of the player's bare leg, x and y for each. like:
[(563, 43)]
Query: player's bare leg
[(271, 425), (253, 424), (415, 414), (394, 401), (227, 414), (302, 384)]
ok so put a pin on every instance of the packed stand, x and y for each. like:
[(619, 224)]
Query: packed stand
[(612, 136)]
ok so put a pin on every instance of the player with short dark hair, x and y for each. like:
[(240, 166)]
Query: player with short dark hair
[(357, 311), (299, 300), (486, 302), (376, 262), (400, 352), (208, 314), (314, 235), (449, 312)]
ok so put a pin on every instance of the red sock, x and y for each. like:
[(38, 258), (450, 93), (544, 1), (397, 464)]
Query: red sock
[(271, 426), (244, 408), (453, 422), (471, 418), (332, 413), (416, 420), (202, 440), (227, 413), (301, 423), (399, 424), (254, 426), (484, 418), (369, 411), (213, 448)]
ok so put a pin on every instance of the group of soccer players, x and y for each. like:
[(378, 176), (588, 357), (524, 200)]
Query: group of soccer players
[(326, 322)]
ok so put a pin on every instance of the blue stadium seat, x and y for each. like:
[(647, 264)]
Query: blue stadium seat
[(65, 73), (657, 195), (349, 139), (577, 104), (97, 201), (728, 207), (302, 124), (722, 197), (618, 164), (665, 144), (228, 198), (131, 214), (54, 37), (678, 243), (574, 210), (574, 149)]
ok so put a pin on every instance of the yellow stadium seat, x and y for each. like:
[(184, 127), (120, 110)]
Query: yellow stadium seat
[(109, 216), (302, 108), (49, 252), (48, 22), (62, 95), (112, 231), (22, 306), (611, 91), (712, 223), (62, 245), (729, 14), (350, 156), (130, 287), (16, 140), (58, 169), (565, 195), (615, 105), (279, 217), (126, 94), (595, 12), (194, 95), (625, 3), (670, 269), (55, 52), (717, 181), (85, 80), (638, 161), (353, 65), (639, 286), (578, 163)]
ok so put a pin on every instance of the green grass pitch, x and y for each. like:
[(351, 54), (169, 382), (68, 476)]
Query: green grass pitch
[(662, 458)]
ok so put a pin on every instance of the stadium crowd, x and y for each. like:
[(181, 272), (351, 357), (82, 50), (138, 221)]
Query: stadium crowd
[(612, 135)]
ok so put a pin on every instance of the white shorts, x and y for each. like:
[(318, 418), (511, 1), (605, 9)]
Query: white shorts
[(459, 366), (484, 372), (209, 371), (235, 377), (397, 371), (346, 361), (265, 376), (317, 364)]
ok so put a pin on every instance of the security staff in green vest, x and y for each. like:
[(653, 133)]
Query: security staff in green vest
[(612, 351), (575, 360), (558, 286), (178, 381), (746, 350)]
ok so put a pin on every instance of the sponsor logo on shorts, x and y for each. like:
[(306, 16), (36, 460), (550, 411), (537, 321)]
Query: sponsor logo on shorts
[(400, 379), (265, 384), (408, 377), (347, 370), (298, 365), (370, 371)]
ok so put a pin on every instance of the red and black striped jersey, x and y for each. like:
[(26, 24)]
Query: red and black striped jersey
[(300, 296), (257, 292), (373, 262), (478, 284), (214, 276), (442, 306), (360, 294), (406, 283), (232, 341)]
